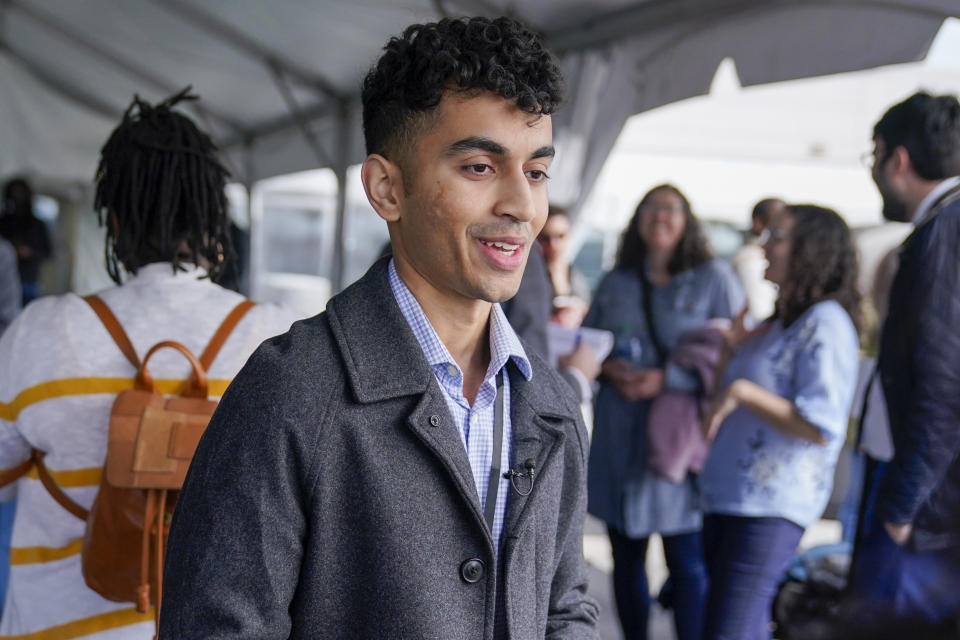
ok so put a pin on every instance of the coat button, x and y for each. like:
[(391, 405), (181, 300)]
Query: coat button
[(471, 570), (434, 421)]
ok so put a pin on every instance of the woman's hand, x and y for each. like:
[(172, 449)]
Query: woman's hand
[(776, 411), (633, 383), (617, 370), (737, 332), (724, 403)]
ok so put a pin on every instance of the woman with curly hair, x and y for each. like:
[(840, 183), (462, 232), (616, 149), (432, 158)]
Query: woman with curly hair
[(779, 421), (665, 283)]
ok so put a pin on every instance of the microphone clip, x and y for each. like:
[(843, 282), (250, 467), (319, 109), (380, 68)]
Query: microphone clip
[(530, 467)]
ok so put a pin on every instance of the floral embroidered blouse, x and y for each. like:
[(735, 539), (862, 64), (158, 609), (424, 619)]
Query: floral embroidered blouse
[(756, 470)]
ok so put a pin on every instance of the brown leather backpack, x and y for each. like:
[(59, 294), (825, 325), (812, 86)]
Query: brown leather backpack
[(151, 441)]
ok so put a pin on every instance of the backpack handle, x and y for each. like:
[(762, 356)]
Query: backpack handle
[(197, 387)]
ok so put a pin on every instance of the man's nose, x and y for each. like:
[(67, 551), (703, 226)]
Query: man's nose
[(517, 198)]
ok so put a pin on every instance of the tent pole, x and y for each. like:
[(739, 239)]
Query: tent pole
[(340, 168)]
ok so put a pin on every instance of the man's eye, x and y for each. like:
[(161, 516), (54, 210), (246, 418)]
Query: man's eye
[(479, 169), (537, 175)]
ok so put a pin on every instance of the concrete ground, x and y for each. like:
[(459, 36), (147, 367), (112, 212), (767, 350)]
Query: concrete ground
[(596, 549)]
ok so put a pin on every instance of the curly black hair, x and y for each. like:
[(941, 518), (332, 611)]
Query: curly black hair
[(160, 186), (823, 264), (691, 252), (928, 127), (464, 55)]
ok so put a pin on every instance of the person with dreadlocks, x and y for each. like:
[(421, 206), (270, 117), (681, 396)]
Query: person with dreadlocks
[(160, 195)]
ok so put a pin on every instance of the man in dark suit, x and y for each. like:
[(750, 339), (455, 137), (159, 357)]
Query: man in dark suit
[(908, 549)]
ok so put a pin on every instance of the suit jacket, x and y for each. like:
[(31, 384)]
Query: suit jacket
[(331, 497), (529, 310), (920, 371)]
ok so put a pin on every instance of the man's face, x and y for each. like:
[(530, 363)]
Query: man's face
[(555, 238), (894, 208), (477, 199)]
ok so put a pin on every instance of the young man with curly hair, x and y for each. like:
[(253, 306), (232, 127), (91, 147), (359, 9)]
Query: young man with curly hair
[(401, 466)]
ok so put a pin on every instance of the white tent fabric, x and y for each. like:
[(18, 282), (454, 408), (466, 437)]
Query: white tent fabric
[(768, 42), (279, 81), (69, 68)]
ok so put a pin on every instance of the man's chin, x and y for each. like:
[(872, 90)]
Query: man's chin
[(499, 292), (895, 211)]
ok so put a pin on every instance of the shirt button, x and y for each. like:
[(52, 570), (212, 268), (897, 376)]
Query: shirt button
[(434, 421), (472, 570), (452, 370)]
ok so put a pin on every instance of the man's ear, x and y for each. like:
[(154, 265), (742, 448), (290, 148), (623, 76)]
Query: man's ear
[(900, 160), (383, 184)]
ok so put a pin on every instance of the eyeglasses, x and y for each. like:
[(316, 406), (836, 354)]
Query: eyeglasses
[(555, 237), (773, 235), (868, 159), (877, 157), (655, 208)]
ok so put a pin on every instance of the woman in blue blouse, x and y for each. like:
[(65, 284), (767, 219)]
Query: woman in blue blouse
[(780, 420), (663, 244)]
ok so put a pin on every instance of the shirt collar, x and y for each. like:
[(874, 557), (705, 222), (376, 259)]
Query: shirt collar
[(923, 209), (504, 343), (159, 271)]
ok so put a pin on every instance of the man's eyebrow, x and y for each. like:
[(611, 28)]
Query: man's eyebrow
[(476, 143), (543, 152)]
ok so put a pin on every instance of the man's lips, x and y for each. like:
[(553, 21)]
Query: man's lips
[(508, 246), (505, 253)]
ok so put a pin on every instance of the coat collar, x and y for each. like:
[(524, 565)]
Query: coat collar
[(383, 360)]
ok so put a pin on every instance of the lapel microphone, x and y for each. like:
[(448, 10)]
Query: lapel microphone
[(530, 465)]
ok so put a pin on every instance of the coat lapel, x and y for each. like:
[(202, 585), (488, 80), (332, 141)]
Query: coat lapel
[(383, 360), (534, 437), (432, 424)]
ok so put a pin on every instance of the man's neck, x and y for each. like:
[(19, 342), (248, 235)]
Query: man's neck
[(462, 324), (923, 196)]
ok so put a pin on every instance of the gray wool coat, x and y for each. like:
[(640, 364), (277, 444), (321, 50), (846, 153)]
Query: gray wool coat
[(331, 497)]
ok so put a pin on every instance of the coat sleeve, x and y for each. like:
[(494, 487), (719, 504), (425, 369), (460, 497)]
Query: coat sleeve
[(237, 537), (927, 436), (573, 613)]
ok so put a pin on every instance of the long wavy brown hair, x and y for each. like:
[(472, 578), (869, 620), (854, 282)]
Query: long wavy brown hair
[(823, 264), (692, 250)]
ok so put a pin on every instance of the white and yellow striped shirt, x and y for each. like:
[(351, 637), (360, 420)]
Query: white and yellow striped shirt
[(59, 373)]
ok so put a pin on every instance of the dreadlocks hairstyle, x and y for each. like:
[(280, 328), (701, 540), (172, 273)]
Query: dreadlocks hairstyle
[(160, 192), (461, 55), (823, 264), (691, 252)]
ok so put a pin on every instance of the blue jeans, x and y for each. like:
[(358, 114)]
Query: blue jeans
[(746, 558), (909, 584), (684, 555), (7, 509)]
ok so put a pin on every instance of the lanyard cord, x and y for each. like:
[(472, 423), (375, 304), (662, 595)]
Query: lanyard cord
[(493, 484)]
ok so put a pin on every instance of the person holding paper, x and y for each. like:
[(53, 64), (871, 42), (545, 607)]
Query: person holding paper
[(665, 283)]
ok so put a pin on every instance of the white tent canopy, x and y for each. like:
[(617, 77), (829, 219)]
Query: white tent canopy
[(279, 81)]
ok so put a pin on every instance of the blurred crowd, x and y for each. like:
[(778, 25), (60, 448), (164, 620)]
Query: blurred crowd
[(718, 415)]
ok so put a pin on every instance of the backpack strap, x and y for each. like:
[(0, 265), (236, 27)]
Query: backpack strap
[(36, 460), (216, 343), (36, 457), (114, 328), (8, 476), (226, 328)]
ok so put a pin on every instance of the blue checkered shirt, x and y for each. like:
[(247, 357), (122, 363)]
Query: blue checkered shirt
[(475, 423)]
